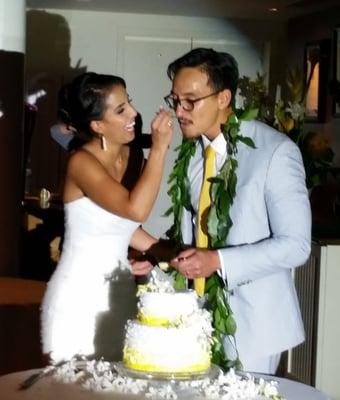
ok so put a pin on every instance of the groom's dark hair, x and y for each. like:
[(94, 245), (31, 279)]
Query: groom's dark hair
[(221, 68)]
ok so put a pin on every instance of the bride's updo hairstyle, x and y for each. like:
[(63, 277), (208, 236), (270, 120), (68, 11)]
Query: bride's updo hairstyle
[(83, 100)]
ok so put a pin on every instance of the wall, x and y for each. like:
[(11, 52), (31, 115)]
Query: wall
[(95, 36), (11, 143), (138, 47), (12, 62)]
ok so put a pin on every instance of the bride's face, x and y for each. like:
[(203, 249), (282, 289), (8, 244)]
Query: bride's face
[(118, 121)]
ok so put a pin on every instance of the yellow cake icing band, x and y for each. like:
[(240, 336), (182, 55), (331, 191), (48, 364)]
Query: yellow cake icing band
[(152, 321), (135, 360)]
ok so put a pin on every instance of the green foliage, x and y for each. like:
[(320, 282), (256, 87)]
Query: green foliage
[(179, 191), (223, 185), (296, 85), (317, 158), (223, 321), (289, 117), (255, 95), (222, 192), (180, 281)]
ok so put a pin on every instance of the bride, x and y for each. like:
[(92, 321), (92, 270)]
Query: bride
[(92, 292)]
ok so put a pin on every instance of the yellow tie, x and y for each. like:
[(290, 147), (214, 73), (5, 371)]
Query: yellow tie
[(203, 208)]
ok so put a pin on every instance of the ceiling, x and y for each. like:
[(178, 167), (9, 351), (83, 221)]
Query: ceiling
[(249, 9)]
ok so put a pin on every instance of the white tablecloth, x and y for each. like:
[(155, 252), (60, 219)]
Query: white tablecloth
[(292, 390), (48, 389)]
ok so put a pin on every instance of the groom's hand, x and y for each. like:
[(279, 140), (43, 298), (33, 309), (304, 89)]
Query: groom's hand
[(196, 263)]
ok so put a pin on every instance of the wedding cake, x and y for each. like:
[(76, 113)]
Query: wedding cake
[(171, 334)]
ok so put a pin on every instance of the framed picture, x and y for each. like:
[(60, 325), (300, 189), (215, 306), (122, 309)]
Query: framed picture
[(316, 66), (336, 81)]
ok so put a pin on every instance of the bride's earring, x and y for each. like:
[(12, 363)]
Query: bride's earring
[(103, 142)]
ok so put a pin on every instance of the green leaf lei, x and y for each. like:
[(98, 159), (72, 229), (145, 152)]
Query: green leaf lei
[(222, 192)]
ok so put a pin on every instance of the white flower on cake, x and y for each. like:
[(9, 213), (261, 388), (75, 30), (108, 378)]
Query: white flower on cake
[(159, 282)]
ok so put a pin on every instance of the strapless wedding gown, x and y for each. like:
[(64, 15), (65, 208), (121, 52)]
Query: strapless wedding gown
[(92, 293)]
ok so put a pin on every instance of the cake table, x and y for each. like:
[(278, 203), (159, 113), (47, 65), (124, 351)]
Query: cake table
[(48, 389)]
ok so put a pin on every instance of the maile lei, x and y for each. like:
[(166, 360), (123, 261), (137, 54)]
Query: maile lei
[(222, 192)]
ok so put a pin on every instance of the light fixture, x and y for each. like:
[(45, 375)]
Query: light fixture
[(273, 9), (32, 98)]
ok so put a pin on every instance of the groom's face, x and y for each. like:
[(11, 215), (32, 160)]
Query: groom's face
[(192, 84)]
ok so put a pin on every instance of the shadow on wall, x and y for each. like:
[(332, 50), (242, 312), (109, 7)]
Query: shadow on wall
[(48, 67)]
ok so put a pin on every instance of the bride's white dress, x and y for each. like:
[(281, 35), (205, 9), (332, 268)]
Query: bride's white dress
[(92, 292)]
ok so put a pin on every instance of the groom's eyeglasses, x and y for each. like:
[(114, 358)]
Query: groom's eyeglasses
[(188, 105)]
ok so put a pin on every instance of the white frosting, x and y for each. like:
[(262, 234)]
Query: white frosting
[(171, 348), (169, 306), (172, 334), (170, 342)]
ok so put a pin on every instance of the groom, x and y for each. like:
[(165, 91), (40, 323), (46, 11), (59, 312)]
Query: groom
[(271, 222)]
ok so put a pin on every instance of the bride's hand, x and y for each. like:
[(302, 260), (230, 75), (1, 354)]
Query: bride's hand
[(140, 267), (162, 128)]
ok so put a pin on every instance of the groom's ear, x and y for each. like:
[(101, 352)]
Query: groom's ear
[(224, 99)]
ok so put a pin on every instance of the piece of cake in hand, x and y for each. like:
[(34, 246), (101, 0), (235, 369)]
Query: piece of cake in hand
[(171, 334)]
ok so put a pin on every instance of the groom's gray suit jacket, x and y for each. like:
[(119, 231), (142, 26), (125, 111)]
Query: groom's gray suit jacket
[(271, 234)]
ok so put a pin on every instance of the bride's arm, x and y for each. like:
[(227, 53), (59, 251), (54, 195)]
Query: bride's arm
[(157, 249), (152, 251), (87, 174), (141, 240)]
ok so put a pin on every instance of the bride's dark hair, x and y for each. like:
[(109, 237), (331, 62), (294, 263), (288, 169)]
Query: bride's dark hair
[(83, 101)]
